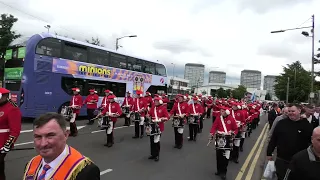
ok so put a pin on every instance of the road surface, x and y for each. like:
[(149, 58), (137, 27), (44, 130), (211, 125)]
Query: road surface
[(128, 158)]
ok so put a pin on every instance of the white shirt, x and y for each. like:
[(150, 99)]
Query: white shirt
[(310, 118), (316, 115), (54, 164)]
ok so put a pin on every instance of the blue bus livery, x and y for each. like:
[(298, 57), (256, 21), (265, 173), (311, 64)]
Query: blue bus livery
[(41, 72)]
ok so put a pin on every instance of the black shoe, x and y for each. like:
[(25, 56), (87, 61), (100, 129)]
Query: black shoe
[(241, 149), (179, 147), (156, 158), (190, 139), (151, 157), (135, 137), (217, 173), (236, 161), (175, 146), (194, 139)]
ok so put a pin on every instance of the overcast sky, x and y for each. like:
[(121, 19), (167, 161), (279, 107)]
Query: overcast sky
[(225, 35)]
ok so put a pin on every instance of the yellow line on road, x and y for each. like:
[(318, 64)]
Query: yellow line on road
[(245, 165), (256, 157)]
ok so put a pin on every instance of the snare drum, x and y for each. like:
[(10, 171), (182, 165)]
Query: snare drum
[(224, 141), (137, 116), (193, 119), (152, 129), (126, 110), (104, 122), (67, 112), (177, 122)]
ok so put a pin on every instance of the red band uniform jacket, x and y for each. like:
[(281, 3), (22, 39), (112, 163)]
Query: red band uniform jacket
[(230, 123), (114, 107), (198, 109), (139, 104), (161, 113), (91, 101), (76, 101)]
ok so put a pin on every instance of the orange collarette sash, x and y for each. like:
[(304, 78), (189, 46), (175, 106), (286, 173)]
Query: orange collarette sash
[(72, 163)]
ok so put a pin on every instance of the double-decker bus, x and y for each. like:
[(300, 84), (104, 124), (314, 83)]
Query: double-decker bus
[(41, 72)]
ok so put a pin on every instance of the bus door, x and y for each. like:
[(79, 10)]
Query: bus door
[(43, 92)]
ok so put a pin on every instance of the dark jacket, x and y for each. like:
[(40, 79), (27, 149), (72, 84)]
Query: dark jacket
[(304, 165), (314, 122), (272, 115), (290, 137), (91, 172)]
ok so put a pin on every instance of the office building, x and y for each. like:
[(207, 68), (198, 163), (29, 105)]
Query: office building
[(195, 74), (178, 86), (251, 79), (268, 84), (217, 77)]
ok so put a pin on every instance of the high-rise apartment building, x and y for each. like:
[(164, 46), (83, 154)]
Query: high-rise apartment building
[(195, 74), (217, 77), (251, 79), (268, 84)]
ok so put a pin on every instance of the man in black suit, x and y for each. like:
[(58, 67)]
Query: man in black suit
[(309, 112), (272, 114), (50, 139)]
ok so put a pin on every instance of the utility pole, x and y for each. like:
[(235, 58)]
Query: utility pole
[(287, 95)]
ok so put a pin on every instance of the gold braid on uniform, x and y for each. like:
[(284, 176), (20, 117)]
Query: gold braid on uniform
[(12, 103), (85, 162)]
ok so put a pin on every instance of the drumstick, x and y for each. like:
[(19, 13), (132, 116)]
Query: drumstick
[(209, 143)]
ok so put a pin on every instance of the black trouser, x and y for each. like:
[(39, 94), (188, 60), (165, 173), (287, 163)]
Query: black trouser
[(178, 138), (213, 119), (90, 115), (254, 123), (249, 130), (193, 130), (154, 147), (200, 125), (110, 137), (73, 129), (241, 142), (270, 124), (138, 129), (281, 168), (209, 112), (235, 150), (2, 167), (222, 162)]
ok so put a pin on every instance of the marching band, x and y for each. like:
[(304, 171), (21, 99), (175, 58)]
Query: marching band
[(233, 120)]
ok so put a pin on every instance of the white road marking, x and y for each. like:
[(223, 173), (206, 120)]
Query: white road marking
[(105, 172), (103, 130), (20, 144), (31, 130)]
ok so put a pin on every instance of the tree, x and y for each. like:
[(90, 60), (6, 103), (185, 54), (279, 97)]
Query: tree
[(95, 41), (268, 97), (239, 92), (229, 92), (6, 33), (299, 83), (221, 93)]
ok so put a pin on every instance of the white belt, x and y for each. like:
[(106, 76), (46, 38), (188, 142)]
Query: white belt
[(4, 130)]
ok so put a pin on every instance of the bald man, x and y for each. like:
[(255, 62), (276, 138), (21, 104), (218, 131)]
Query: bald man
[(275, 122), (306, 164)]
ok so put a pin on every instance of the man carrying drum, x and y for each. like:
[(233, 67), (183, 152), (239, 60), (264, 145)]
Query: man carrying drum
[(75, 104), (127, 105), (224, 126), (139, 108), (195, 111), (158, 114), (112, 111), (181, 111), (237, 114)]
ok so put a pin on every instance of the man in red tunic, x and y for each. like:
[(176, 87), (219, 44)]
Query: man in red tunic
[(180, 109), (128, 104), (91, 102), (10, 126), (195, 111), (75, 104), (158, 114), (224, 124), (139, 108), (113, 111)]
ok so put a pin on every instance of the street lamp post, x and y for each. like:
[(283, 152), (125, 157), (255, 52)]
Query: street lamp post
[(117, 40), (47, 27), (312, 46)]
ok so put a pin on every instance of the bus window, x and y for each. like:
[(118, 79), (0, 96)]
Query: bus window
[(138, 66), (118, 61), (75, 52), (13, 85), (160, 70), (131, 63), (99, 57), (68, 83), (49, 47), (99, 86), (149, 68)]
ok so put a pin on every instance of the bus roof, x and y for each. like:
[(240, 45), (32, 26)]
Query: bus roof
[(47, 35)]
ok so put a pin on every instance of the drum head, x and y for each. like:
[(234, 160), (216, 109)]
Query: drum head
[(221, 142)]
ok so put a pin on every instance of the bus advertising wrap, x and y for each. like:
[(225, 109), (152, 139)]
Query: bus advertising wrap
[(87, 70)]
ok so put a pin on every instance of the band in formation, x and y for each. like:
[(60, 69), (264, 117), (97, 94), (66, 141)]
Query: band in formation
[(233, 121)]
